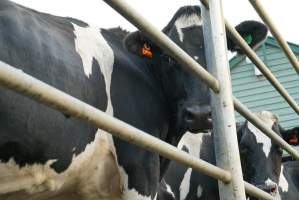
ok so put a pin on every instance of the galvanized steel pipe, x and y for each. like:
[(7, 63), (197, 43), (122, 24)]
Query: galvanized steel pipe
[(243, 110), (43, 93), (29, 86), (224, 129), (262, 67), (22, 83), (163, 41), (275, 32), (256, 192)]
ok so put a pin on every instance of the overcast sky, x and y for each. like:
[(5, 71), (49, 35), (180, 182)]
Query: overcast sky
[(97, 13)]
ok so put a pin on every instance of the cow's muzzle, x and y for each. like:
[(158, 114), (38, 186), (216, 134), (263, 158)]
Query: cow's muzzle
[(270, 188), (197, 118)]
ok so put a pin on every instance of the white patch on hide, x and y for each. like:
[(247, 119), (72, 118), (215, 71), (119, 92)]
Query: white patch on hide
[(247, 60), (94, 173), (169, 190), (193, 143), (283, 183), (87, 175), (29, 178), (230, 54), (269, 119), (186, 21), (270, 183), (199, 191), (185, 184), (130, 194), (90, 44)]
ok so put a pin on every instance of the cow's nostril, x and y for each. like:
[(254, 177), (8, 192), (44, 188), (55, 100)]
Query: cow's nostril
[(189, 115), (210, 116), (197, 118), (273, 190)]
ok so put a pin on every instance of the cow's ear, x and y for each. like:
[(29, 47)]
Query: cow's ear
[(139, 44), (291, 136), (253, 32)]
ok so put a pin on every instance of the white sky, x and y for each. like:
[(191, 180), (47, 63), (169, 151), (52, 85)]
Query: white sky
[(97, 13)]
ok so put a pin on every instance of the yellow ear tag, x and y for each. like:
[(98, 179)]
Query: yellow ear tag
[(146, 51)]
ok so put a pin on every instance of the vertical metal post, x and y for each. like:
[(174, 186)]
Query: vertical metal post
[(225, 137)]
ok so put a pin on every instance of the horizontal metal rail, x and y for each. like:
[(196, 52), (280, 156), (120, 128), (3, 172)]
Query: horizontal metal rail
[(160, 38), (163, 41), (256, 192), (243, 110), (275, 32), (41, 92), (260, 65), (29, 86)]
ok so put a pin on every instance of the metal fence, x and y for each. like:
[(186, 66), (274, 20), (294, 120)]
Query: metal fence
[(228, 171)]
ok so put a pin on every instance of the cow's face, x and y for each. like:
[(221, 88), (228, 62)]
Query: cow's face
[(260, 157), (188, 97)]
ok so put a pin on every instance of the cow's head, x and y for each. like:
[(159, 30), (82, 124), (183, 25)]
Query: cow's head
[(260, 157), (188, 97)]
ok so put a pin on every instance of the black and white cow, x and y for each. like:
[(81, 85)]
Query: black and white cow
[(289, 180), (260, 159), (46, 154)]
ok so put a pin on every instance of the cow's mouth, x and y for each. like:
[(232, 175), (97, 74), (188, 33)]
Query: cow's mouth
[(271, 189), (203, 126)]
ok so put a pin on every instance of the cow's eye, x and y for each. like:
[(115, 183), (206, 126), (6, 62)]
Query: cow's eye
[(168, 59), (244, 149), (164, 57), (280, 150), (171, 61)]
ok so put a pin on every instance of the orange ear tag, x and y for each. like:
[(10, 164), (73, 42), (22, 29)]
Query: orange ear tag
[(146, 51)]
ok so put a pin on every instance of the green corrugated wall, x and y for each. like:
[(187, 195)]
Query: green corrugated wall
[(257, 93)]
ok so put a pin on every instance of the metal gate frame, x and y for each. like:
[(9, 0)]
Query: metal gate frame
[(224, 129), (231, 187)]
